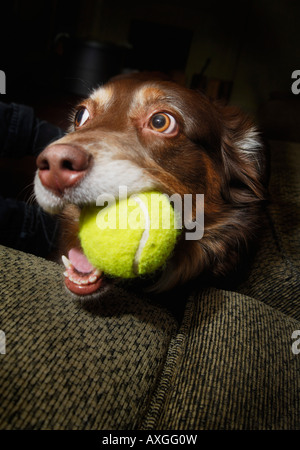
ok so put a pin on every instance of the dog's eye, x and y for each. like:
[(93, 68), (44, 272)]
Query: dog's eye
[(81, 117), (163, 123)]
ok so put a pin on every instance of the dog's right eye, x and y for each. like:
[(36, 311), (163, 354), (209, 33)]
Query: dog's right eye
[(81, 117), (163, 123)]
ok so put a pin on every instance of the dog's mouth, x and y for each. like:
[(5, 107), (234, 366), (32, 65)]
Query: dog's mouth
[(81, 278)]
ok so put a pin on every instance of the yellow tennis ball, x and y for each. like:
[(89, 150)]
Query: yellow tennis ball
[(131, 237)]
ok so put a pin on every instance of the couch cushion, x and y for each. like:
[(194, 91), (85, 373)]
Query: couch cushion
[(230, 367), (67, 367)]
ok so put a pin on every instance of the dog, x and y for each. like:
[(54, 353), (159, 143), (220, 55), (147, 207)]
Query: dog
[(157, 135)]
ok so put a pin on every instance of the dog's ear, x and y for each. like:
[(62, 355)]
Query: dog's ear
[(244, 157)]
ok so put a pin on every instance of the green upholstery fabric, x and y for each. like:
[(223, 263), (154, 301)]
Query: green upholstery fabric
[(66, 367), (132, 363), (230, 367)]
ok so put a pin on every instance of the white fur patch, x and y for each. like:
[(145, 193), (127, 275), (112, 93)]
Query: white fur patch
[(140, 97), (250, 142), (46, 199), (152, 95), (250, 145), (102, 96)]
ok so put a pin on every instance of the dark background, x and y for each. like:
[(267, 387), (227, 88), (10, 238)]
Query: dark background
[(54, 51), (244, 51)]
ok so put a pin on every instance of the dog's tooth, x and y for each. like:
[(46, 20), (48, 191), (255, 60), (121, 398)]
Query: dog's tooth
[(66, 274), (92, 279), (66, 262), (73, 280), (97, 272)]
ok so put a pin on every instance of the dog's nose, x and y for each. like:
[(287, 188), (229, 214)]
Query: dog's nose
[(62, 166)]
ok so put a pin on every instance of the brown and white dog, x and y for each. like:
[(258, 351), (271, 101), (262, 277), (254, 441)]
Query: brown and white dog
[(157, 135)]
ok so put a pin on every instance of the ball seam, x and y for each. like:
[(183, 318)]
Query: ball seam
[(144, 237)]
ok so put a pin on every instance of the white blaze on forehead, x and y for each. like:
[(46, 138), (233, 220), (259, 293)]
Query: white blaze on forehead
[(153, 96), (145, 95), (102, 96)]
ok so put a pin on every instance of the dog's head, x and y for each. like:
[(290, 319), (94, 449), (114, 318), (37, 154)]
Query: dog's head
[(157, 135)]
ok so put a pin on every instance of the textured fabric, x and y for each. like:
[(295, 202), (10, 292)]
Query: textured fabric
[(66, 367), (230, 367)]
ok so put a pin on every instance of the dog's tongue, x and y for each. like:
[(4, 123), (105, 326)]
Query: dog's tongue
[(79, 260)]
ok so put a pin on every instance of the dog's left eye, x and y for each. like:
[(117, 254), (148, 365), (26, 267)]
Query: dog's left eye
[(163, 123), (81, 117)]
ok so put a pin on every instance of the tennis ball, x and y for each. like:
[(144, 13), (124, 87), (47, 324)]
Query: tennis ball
[(131, 237)]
